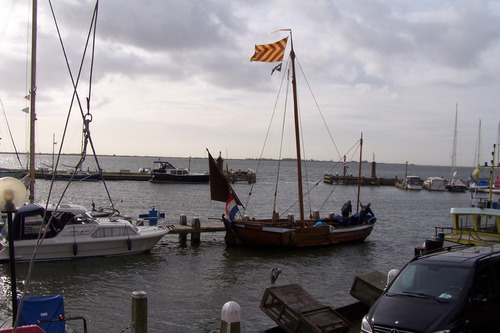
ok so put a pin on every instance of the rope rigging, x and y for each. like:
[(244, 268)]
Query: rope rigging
[(86, 116), (310, 188)]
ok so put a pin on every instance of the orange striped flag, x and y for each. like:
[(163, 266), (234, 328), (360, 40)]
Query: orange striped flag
[(270, 52)]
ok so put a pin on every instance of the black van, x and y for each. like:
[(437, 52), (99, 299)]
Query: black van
[(453, 289)]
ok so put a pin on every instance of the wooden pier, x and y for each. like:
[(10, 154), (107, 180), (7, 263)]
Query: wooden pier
[(119, 175), (204, 227), (195, 229)]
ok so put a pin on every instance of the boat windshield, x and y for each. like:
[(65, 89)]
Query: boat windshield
[(420, 279), (83, 218)]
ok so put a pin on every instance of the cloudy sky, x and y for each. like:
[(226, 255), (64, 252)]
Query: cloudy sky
[(172, 78)]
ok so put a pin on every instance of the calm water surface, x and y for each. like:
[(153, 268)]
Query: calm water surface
[(188, 285)]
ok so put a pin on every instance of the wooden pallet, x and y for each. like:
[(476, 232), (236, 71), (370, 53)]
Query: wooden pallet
[(294, 310)]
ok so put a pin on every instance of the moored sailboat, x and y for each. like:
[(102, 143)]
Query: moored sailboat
[(455, 184), (478, 224), (277, 231)]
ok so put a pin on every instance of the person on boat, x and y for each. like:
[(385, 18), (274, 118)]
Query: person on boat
[(365, 210), (346, 209)]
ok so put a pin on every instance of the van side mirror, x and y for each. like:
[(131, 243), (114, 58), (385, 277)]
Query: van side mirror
[(478, 299)]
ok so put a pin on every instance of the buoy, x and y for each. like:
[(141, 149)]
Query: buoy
[(129, 244), (75, 249)]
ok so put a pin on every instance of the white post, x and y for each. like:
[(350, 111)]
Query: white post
[(230, 318)]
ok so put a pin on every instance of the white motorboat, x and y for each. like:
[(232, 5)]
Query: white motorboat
[(435, 184), (71, 232), (413, 183)]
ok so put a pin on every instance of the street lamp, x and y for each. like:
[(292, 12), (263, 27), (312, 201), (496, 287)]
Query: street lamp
[(12, 196)]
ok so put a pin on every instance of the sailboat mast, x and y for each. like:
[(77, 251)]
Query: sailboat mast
[(359, 169), (297, 132), (32, 102), (477, 159), (454, 151)]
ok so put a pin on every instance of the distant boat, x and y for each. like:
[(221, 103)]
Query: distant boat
[(412, 183), (455, 184), (71, 175), (165, 172), (12, 173), (435, 184)]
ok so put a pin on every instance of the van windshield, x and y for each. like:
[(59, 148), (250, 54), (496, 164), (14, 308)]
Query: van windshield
[(420, 279)]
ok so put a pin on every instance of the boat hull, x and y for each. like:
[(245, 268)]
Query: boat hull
[(72, 233), (66, 248), (275, 236)]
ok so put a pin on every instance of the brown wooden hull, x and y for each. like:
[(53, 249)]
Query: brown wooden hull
[(263, 235)]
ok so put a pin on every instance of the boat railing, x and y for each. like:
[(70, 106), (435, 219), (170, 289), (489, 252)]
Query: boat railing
[(440, 231), (65, 319)]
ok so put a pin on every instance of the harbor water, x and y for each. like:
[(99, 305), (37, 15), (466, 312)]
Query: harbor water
[(187, 285)]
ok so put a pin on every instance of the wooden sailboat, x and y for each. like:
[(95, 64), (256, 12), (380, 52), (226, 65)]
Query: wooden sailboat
[(285, 232)]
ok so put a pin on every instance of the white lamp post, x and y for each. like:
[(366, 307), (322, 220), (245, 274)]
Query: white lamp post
[(12, 196)]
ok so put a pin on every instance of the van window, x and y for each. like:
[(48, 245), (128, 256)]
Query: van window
[(482, 285), (445, 282)]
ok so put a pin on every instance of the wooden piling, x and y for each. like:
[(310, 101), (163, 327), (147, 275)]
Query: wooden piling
[(182, 221), (139, 312), (196, 234), (230, 318)]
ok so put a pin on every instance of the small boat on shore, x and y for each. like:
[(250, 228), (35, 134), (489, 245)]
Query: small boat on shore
[(70, 232), (165, 172)]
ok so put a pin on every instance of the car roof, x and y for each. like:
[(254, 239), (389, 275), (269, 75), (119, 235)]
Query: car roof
[(460, 255)]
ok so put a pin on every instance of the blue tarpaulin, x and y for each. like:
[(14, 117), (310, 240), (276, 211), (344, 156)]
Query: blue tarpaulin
[(43, 308)]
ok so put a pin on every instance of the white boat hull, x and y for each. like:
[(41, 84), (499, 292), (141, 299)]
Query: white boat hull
[(84, 237)]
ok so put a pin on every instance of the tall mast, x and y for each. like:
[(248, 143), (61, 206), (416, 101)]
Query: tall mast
[(359, 169), (32, 103), (454, 151), (297, 132), (477, 159)]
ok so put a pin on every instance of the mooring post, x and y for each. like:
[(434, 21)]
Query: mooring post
[(196, 235), (230, 318), (182, 221), (139, 312)]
